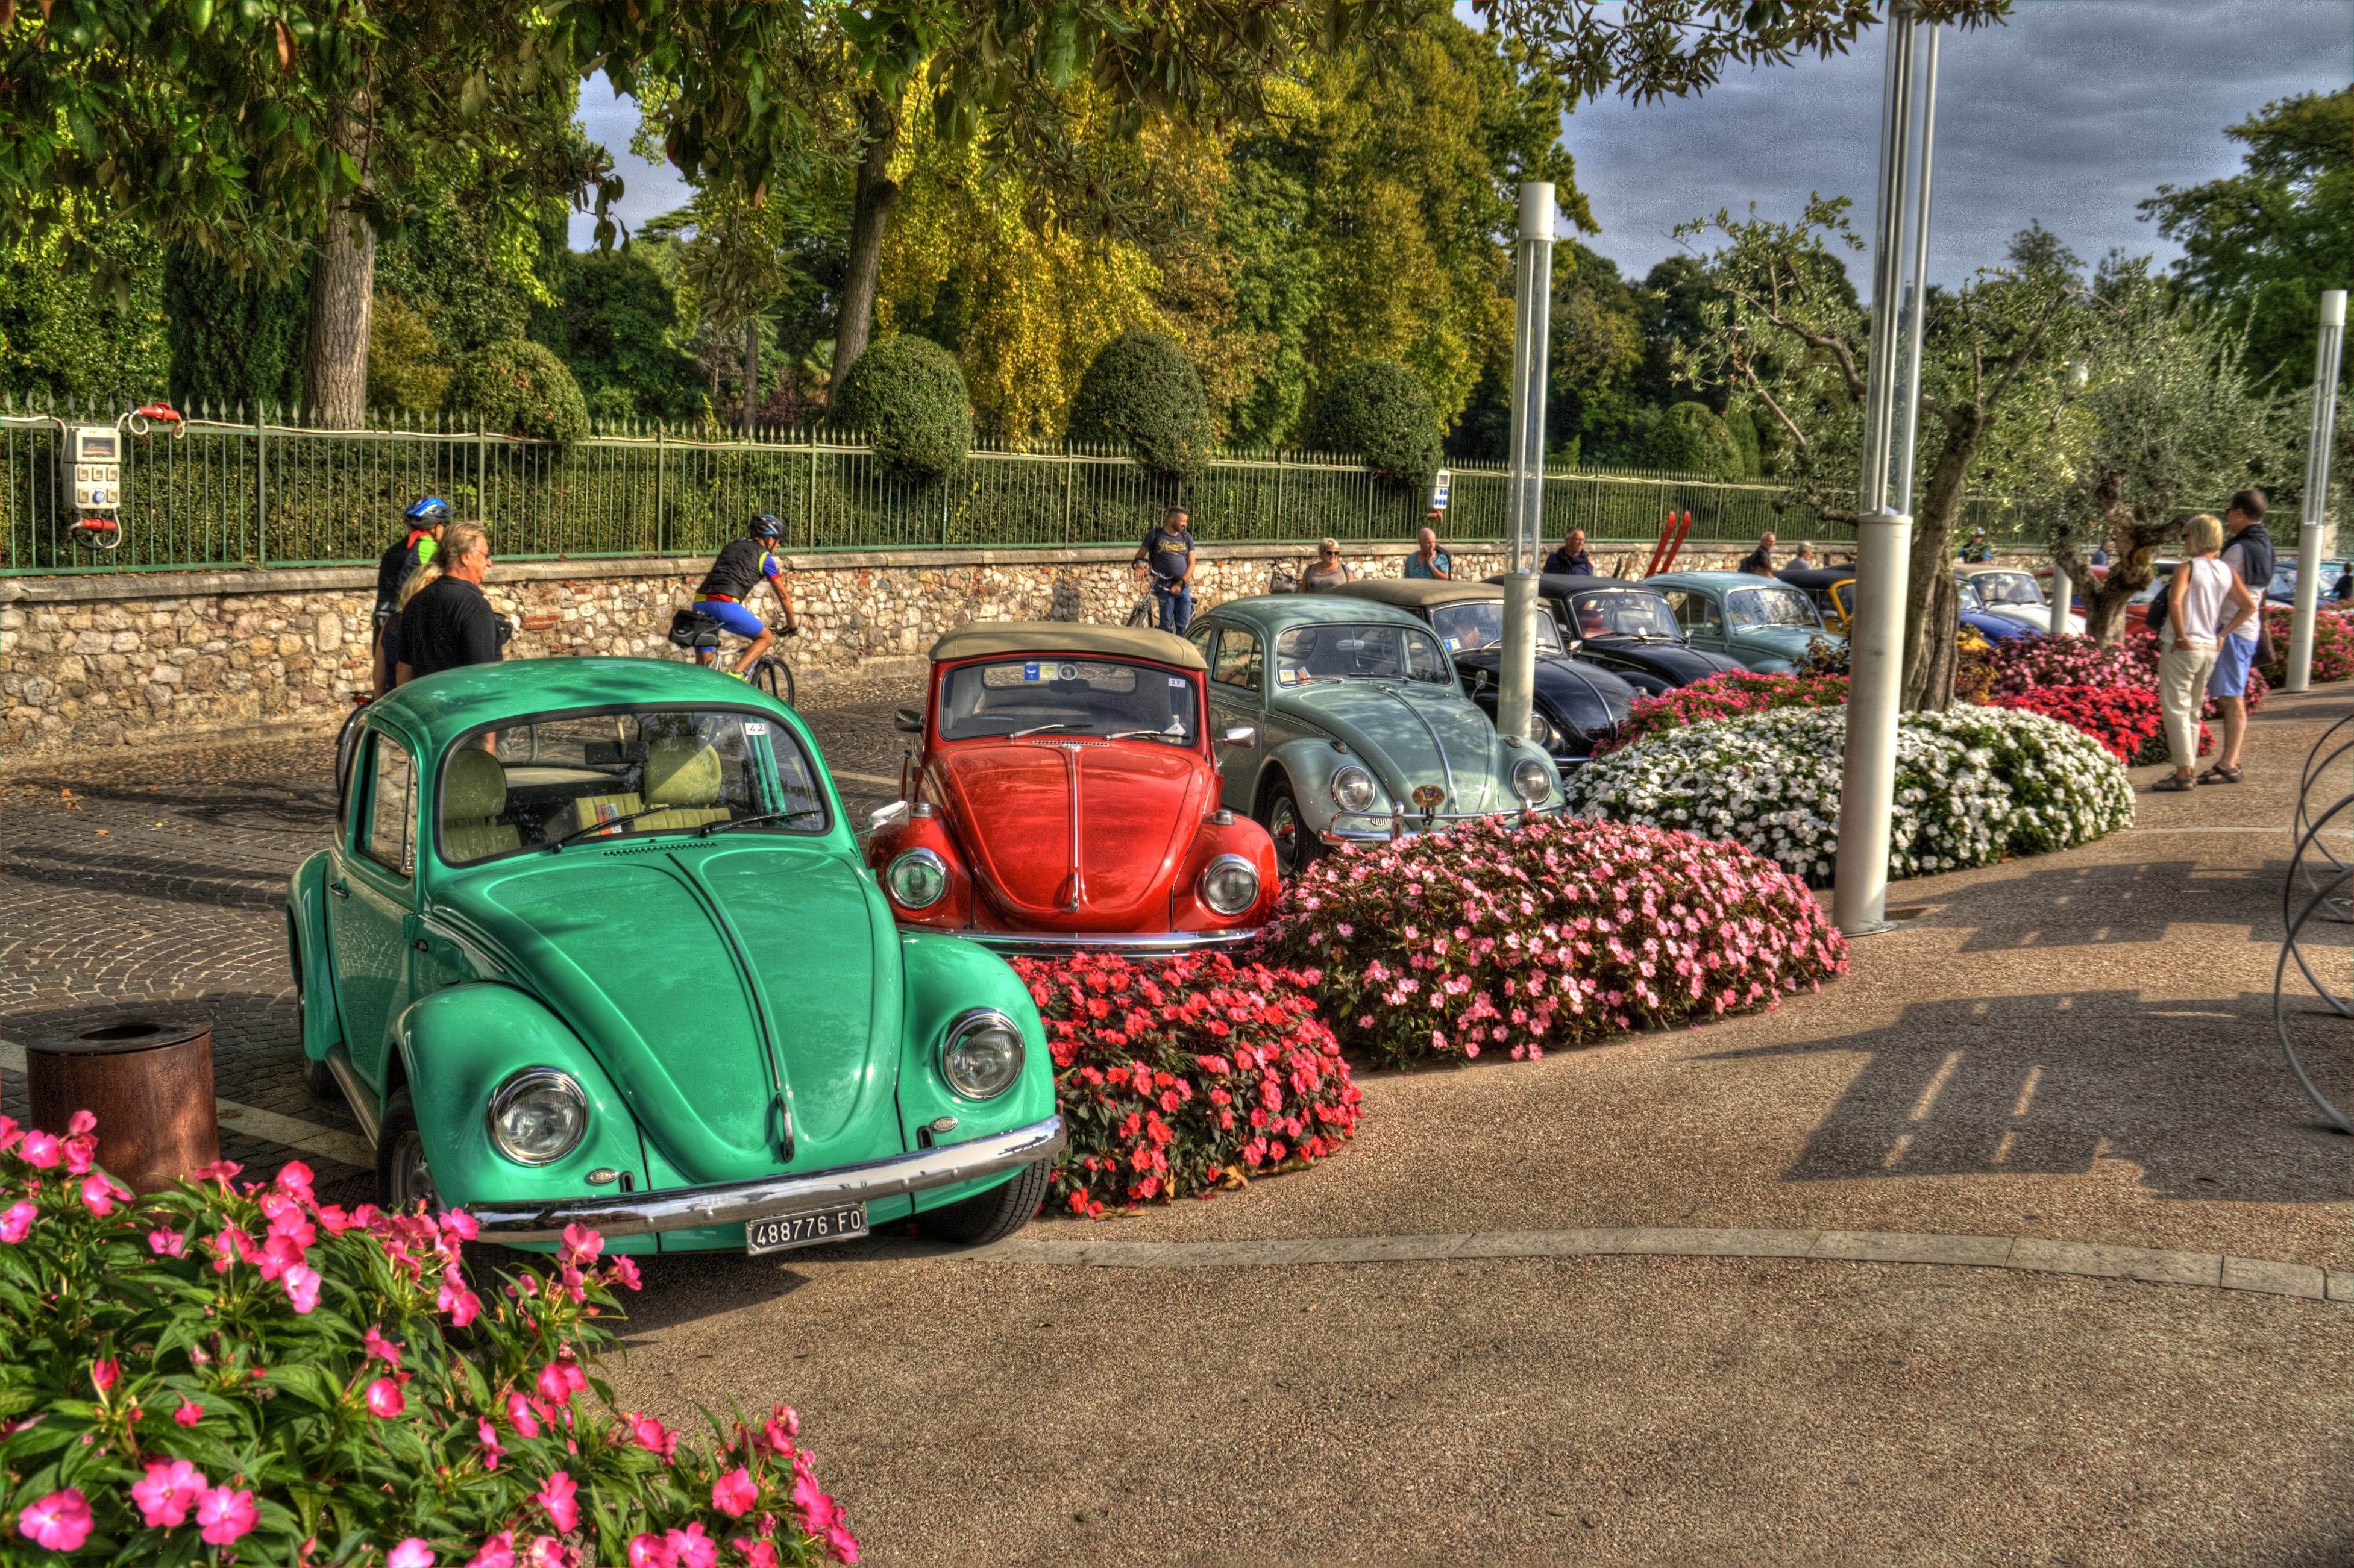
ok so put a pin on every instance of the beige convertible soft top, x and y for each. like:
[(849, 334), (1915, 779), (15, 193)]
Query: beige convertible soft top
[(1417, 593), (1053, 637)]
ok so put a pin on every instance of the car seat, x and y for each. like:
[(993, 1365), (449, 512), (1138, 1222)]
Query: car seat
[(682, 773), (473, 798)]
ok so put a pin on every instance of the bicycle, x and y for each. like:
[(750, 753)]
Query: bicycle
[(769, 672)]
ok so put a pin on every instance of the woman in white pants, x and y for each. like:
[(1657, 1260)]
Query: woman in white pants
[(2195, 627)]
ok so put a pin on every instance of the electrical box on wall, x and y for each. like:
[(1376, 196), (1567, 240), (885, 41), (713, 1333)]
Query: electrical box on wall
[(91, 459)]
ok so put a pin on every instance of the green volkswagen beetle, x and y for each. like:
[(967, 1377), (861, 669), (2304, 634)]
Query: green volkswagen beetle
[(1343, 722), (1766, 623), (594, 945)]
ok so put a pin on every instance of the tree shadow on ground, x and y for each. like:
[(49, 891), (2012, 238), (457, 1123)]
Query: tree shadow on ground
[(2196, 1094), (2109, 905)]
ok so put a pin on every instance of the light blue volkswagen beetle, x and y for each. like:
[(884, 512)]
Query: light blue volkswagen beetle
[(1763, 622), (1342, 720)]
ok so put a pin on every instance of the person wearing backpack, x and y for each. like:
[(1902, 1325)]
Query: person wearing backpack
[(2194, 623)]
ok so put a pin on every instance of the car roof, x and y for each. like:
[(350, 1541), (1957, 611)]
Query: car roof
[(1067, 637), (437, 709), (1561, 585), (1417, 593), (1980, 568), (1275, 611), (1712, 579), (1813, 577)]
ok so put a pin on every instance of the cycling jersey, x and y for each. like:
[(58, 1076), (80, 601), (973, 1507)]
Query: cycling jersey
[(393, 567), (742, 564)]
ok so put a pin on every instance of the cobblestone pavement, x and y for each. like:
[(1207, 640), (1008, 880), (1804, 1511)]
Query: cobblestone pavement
[(161, 878)]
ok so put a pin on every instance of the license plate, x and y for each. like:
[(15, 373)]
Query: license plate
[(801, 1230)]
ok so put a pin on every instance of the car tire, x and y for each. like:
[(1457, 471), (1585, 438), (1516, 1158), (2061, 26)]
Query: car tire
[(995, 1214), (402, 1177), (1296, 848)]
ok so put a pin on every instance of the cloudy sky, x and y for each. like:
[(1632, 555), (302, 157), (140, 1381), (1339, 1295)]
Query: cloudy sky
[(2069, 115)]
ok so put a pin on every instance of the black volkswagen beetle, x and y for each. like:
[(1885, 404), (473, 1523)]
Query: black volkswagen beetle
[(1575, 703), (1628, 630)]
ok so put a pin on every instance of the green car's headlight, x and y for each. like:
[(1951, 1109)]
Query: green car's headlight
[(1531, 779), (981, 1054), (916, 879), (1352, 789), (1230, 885), (538, 1115)]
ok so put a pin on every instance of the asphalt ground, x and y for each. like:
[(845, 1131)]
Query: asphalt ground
[(2076, 1047)]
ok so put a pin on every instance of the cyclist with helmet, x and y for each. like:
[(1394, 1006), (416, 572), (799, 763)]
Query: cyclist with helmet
[(743, 565), (407, 556)]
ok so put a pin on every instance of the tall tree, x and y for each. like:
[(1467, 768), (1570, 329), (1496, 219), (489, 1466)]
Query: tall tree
[(1787, 336), (262, 135), (2261, 245)]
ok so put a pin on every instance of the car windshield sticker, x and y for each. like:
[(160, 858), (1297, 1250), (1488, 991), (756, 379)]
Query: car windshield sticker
[(1179, 681), (1029, 671), (1287, 676), (756, 727), (1452, 644), (1067, 673)]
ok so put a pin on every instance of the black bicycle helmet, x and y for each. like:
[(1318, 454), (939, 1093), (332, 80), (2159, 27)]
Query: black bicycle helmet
[(764, 527), (432, 512)]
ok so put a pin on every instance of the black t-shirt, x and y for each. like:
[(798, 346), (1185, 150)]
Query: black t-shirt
[(1561, 564), (448, 624), (1759, 562), (392, 568), (741, 565)]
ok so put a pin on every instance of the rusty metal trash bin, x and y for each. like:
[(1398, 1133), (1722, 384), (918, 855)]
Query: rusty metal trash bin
[(148, 1079)]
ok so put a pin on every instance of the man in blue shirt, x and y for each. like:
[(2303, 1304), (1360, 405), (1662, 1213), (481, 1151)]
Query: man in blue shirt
[(1167, 552), (1571, 560), (1429, 560)]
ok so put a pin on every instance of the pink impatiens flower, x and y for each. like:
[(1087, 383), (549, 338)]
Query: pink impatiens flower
[(492, 1451), (17, 1223), (519, 1416), (105, 1372), (498, 1552), (189, 1413), (379, 1349), (301, 1283), (462, 1305), (757, 1553), (385, 1399), (228, 1515), (59, 1522), (690, 1548), (167, 1243), (40, 1149), (651, 1551), (734, 1493), (168, 1493), (557, 1499), (99, 1191), (412, 1553)]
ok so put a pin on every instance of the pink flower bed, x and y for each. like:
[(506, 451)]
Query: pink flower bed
[(2028, 663), (1516, 940), (1732, 694), (242, 1373), (2333, 642)]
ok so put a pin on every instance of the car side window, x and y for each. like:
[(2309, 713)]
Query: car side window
[(388, 824), (1696, 611), (1205, 640), (1239, 662)]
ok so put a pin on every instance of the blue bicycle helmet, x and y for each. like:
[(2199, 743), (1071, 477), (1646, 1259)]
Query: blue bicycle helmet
[(430, 513), (764, 527)]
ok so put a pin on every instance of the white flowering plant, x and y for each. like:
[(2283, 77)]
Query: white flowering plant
[(1516, 938), (1973, 786)]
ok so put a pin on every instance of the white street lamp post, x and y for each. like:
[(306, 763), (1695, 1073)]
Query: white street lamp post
[(1531, 320), (2317, 489), (1884, 524)]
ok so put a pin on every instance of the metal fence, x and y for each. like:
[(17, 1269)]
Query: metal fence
[(223, 493)]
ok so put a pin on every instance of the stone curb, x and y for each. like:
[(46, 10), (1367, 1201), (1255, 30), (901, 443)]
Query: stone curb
[(2085, 1259)]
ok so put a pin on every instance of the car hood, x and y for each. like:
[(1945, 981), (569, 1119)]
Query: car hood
[(1674, 662), (1585, 697), (1136, 802), (1377, 719), (655, 953)]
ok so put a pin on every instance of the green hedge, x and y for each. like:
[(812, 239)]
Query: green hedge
[(907, 394), (1693, 437), (519, 388), (1142, 393), (1381, 409)]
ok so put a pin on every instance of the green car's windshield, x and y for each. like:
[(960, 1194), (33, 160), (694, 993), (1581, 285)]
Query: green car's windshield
[(1624, 613), (1307, 653), (1479, 623), (1046, 695), (1751, 608), (530, 783)]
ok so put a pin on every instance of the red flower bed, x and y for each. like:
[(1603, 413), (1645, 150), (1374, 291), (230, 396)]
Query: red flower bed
[(1727, 696), (1184, 1074), (1505, 938), (2028, 663), (2127, 721)]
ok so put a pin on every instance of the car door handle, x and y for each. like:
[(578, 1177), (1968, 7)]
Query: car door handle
[(338, 889)]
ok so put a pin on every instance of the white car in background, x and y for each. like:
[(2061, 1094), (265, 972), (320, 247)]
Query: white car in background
[(2007, 593)]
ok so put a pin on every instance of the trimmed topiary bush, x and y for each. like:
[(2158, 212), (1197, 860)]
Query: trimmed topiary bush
[(1509, 937), (1380, 411), (519, 388), (1693, 437), (1973, 786), (908, 396), (1142, 393)]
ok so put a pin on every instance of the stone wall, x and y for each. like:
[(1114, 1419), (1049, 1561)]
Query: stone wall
[(90, 664)]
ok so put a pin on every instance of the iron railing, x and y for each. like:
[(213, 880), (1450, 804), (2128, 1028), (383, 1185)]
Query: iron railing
[(230, 492)]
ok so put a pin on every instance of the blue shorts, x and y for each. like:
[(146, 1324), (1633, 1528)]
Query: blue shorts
[(2232, 657), (733, 615)]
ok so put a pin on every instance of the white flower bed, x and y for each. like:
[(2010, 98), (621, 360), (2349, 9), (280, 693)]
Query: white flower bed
[(1972, 784)]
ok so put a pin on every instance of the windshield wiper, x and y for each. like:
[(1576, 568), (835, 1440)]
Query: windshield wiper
[(710, 828), (600, 827), (1148, 735), (1043, 728)]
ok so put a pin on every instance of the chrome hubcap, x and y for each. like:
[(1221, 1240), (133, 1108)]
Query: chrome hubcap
[(1286, 832), (411, 1179)]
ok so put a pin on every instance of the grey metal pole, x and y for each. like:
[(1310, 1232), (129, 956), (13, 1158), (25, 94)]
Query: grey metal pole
[(1884, 526), (1905, 408), (2317, 488), (1524, 513)]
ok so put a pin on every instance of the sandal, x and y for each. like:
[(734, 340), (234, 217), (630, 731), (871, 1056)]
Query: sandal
[(2218, 774), (2173, 783)]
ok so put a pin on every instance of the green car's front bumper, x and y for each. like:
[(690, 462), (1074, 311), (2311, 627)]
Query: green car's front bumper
[(771, 1197), (1387, 827)]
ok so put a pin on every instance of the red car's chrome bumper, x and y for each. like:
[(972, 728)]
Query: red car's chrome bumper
[(1128, 944)]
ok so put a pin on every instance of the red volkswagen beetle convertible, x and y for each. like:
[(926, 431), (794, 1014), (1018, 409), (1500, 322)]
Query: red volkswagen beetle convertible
[(1066, 796)]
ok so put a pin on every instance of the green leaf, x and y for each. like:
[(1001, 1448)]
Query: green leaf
[(85, 134)]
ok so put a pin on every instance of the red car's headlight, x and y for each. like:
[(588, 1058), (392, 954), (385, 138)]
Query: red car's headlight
[(916, 879), (1230, 884)]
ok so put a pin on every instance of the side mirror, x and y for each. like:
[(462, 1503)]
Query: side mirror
[(909, 720), (1240, 736), (889, 816)]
